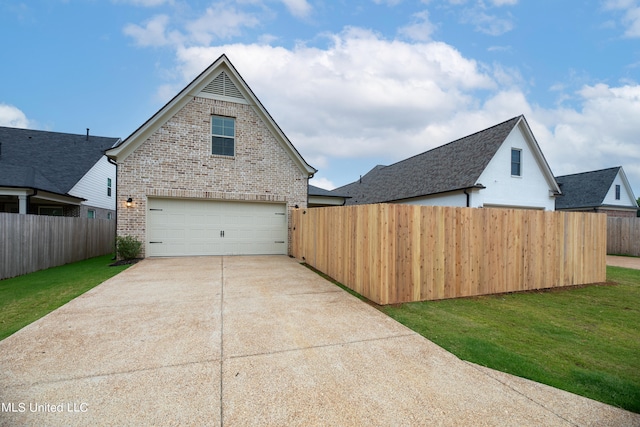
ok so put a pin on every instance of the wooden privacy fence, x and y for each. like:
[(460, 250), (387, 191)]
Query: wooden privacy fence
[(623, 236), (32, 242), (400, 253)]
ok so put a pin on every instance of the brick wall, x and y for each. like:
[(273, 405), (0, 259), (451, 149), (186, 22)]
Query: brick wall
[(176, 161)]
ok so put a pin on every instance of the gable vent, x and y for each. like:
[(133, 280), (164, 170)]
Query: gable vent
[(223, 86)]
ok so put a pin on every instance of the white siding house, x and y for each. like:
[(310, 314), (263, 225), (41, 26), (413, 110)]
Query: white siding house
[(501, 166)]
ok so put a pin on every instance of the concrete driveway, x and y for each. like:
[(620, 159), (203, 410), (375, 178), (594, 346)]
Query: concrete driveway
[(253, 341)]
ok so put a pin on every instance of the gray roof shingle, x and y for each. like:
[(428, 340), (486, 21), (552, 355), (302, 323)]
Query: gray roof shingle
[(453, 166), (586, 189), (48, 161), (317, 191)]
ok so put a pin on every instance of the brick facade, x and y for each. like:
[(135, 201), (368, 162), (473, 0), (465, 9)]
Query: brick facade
[(176, 161)]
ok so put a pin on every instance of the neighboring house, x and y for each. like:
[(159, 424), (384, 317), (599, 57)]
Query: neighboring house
[(60, 174), (319, 197), (210, 173), (501, 166), (606, 190)]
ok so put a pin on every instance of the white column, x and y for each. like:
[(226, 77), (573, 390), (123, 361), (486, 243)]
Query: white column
[(22, 204)]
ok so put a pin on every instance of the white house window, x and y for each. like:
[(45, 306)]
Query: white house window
[(617, 192), (91, 214), (109, 216), (223, 135), (516, 162), (109, 187)]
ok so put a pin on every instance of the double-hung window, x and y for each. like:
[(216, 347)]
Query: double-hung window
[(223, 136), (108, 187), (516, 162)]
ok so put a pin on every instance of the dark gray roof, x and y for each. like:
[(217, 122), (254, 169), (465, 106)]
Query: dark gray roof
[(453, 166), (317, 191), (48, 161), (586, 189)]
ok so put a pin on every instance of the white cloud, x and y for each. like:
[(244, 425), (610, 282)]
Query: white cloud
[(13, 117), (298, 8), (420, 29), (322, 183), (356, 96), (153, 33), (220, 21), (631, 18), (504, 2), (145, 3), (488, 24), (602, 132)]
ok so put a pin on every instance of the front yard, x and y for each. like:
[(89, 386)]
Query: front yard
[(584, 340)]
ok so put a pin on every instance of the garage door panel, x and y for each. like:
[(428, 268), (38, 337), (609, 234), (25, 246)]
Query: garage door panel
[(197, 227)]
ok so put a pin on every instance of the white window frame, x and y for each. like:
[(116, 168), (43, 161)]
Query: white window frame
[(91, 214), (109, 192), (223, 135)]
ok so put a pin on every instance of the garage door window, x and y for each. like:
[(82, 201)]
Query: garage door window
[(223, 132)]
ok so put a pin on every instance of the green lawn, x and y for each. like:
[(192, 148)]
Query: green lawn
[(27, 298), (585, 340)]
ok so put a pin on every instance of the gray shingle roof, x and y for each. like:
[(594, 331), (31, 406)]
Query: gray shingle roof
[(48, 161), (453, 166), (586, 189), (317, 191)]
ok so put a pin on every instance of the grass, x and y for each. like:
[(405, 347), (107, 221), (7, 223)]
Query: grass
[(27, 298), (584, 340)]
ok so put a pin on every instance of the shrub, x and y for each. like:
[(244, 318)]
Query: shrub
[(128, 247)]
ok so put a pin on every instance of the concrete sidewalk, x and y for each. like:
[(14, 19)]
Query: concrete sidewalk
[(254, 341), (624, 261)]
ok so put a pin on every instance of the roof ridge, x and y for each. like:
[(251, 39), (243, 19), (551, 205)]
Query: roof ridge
[(588, 172), (58, 133), (456, 140)]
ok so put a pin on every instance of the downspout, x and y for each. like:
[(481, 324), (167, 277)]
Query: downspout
[(115, 237), (466, 191)]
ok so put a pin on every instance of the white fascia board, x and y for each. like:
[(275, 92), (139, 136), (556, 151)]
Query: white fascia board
[(537, 152), (11, 191), (627, 186)]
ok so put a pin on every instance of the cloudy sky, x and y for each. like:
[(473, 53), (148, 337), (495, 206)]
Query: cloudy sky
[(353, 83)]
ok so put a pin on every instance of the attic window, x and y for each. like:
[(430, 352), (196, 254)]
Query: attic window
[(516, 162), (222, 85), (617, 192), (223, 135)]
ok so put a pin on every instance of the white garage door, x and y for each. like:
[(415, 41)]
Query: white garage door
[(178, 227)]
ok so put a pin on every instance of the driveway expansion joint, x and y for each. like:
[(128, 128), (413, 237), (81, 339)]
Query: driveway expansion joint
[(312, 347)]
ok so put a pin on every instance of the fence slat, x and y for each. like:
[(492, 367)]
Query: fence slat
[(400, 253), (623, 236), (30, 243)]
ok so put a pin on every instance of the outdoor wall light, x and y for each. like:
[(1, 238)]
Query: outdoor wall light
[(129, 202)]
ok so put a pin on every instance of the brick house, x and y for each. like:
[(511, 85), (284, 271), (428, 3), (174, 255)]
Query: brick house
[(210, 173)]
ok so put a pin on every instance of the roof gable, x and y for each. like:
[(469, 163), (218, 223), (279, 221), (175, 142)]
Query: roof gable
[(589, 189), (453, 166), (48, 161), (219, 81)]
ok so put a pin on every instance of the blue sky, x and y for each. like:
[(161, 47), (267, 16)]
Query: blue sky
[(352, 83)]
